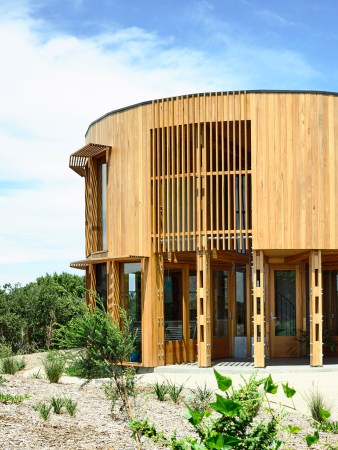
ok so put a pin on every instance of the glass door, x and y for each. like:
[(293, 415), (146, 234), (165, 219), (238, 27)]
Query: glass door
[(285, 314), (221, 314)]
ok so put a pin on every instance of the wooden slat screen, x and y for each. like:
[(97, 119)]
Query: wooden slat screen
[(201, 173)]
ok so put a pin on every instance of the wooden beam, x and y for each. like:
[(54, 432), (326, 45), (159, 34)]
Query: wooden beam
[(203, 307), (316, 309), (259, 308)]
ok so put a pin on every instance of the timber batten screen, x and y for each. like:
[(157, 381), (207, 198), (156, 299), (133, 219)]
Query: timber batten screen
[(201, 175), (78, 160)]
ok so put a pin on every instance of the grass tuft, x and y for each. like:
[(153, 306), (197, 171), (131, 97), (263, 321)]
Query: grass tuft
[(54, 365)]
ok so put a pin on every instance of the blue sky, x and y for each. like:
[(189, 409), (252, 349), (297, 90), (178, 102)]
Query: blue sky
[(65, 63)]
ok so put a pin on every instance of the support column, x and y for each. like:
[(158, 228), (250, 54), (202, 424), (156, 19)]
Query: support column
[(258, 308), (90, 284), (113, 289), (158, 274), (203, 307), (316, 309)]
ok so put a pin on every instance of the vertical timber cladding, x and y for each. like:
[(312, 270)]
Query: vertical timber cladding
[(201, 185), (316, 309), (201, 146)]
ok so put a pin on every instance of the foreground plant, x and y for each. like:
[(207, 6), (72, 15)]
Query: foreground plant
[(101, 347), (236, 426)]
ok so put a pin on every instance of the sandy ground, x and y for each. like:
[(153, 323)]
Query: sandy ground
[(93, 426)]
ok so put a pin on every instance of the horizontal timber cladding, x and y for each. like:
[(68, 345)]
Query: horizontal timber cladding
[(201, 173)]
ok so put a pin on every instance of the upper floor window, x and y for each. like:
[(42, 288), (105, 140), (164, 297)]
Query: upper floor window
[(102, 203)]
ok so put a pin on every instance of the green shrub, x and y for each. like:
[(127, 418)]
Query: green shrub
[(174, 390), (43, 409), (317, 405), (57, 403), (8, 398), (201, 397), (10, 364), (70, 406), (104, 344), (54, 365), (236, 426), (160, 389)]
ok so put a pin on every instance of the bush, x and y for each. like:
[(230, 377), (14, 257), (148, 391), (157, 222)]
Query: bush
[(30, 314), (101, 344), (54, 365), (237, 424), (10, 364)]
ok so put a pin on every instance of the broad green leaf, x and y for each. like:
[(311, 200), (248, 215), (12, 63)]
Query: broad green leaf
[(312, 439), (226, 406), (223, 382), (270, 386), (195, 417), (324, 414), (293, 429), (288, 391), (222, 442), (198, 447)]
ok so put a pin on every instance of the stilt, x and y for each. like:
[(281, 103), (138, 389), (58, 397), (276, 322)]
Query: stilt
[(203, 307), (259, 308), (316, 309)]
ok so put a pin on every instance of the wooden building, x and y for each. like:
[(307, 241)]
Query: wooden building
[(211, 218)]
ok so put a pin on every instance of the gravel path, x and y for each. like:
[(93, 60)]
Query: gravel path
[(93, 426)]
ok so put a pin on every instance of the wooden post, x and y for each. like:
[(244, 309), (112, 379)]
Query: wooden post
[(159, 298), (90, 284), (316, 309), (203, 307), (113, 289), (259, 308)]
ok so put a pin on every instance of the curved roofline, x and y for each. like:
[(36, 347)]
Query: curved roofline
[(259, 91)]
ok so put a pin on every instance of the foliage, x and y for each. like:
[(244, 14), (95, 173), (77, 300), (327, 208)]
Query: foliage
[(101, 346), (101, 343), (328, 342), (54, 364), (2, 379), (30, 314), (201, 397), (43, 409), (318, 407), (70, 406), (57, 404), (174, 390), (8, 398), (160, 389), (237, 424), (121, 387), (9, 363), (328, 426)]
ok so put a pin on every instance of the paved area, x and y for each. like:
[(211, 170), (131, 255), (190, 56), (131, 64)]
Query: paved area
[(298, 373)]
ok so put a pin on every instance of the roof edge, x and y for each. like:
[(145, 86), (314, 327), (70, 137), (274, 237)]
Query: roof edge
[(255, 91)]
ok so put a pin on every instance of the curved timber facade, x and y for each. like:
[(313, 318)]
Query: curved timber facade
[(211, 218)]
